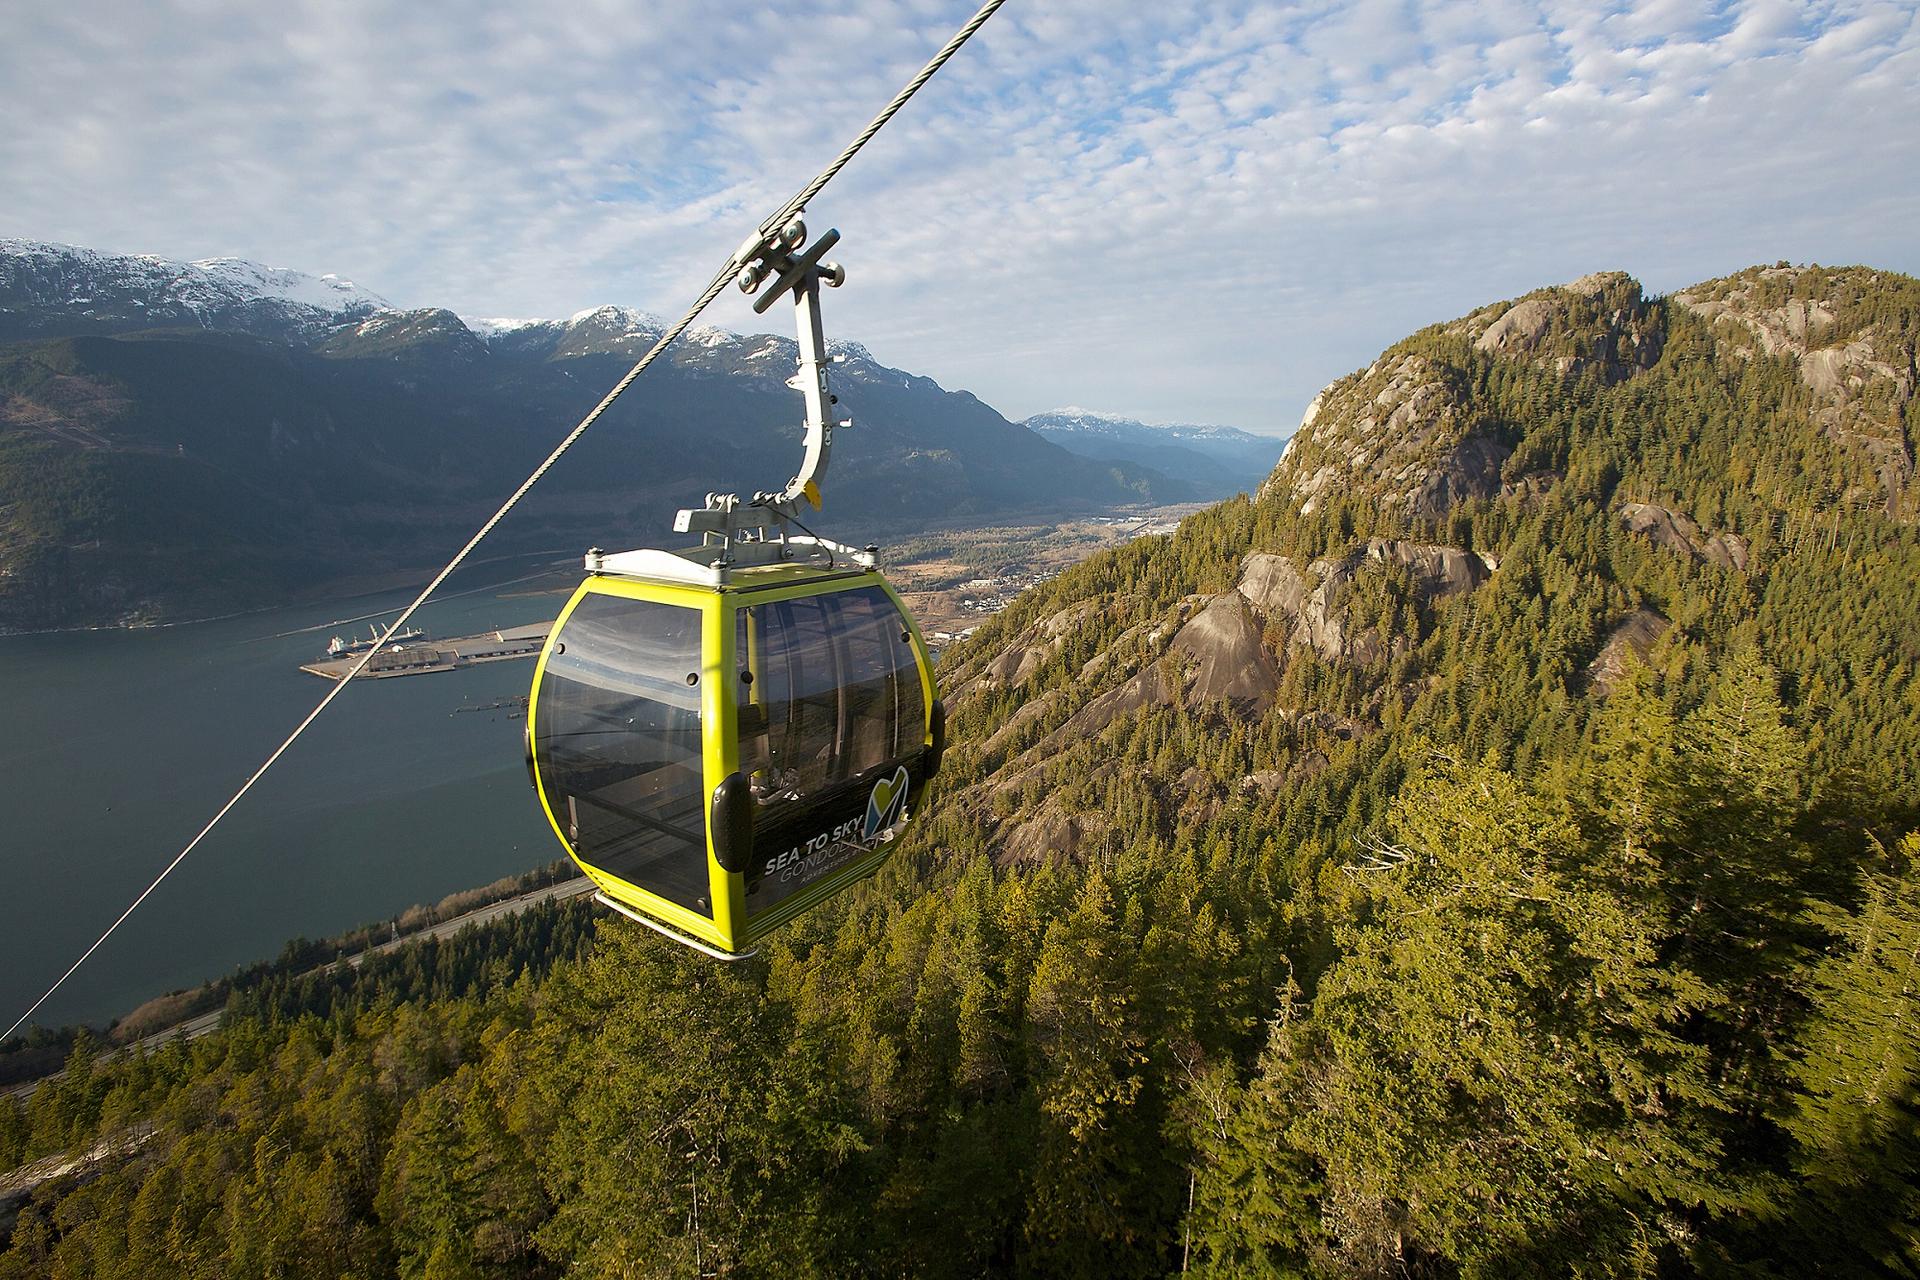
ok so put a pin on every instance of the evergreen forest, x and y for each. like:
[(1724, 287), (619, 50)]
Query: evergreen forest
[(1488, 851)]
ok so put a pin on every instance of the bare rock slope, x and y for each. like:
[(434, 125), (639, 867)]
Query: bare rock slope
[(1407, 431)]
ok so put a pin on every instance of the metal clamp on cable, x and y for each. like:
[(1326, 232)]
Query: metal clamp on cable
[(736, 533)]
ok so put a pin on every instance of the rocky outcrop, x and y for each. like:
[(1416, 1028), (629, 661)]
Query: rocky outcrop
[(1000, 739), (1263, 781), (1520, 329), (1437, 571), (1027, 652), (1402, 431), (1314, 607), (1676, 531), (1601, 323), (1146, 686), (1468, 470), (1792, 325), (1229, 659), (1125, 643), (1858, 366), (1272, 584), (1629, 641), (1406, 432), (1530, 489), (1050, 834)]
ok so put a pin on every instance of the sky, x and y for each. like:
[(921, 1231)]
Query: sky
[(1176, 211)]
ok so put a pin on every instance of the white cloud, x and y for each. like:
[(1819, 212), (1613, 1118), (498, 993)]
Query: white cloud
[(1186, 210)]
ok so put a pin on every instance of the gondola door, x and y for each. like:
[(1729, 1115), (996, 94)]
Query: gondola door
[(627, 728)]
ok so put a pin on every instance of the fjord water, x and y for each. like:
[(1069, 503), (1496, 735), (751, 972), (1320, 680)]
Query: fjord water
[(119, 745)]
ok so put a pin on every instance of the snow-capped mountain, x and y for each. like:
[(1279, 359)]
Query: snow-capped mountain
[(1073, 420), (56, 290), (52, 287), (1220, 459), (212, 280), (244, 420)]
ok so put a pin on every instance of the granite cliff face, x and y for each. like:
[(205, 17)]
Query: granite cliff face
[(1601, 323), (1407, 430), (1219, 654), (1676, 531), (1403, 430)]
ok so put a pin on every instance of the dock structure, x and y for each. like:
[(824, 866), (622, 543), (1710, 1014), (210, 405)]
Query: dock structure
[(428, 657)]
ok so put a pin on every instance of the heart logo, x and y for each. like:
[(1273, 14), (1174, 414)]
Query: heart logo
[(886, 804)]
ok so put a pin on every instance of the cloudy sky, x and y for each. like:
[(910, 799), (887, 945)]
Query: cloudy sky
[(1176, 210)]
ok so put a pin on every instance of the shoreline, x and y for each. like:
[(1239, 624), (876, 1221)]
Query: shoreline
[(421, 922), (359, 587), (396, 580)]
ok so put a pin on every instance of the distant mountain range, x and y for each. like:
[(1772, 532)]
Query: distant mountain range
[(57, 290), (1218, 460), (181, 438)]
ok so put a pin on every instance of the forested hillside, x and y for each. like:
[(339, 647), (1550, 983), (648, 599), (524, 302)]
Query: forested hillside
[(1489, 851)]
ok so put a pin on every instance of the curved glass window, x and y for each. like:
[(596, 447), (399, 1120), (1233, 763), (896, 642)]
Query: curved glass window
[(829, 705), (831, 692), (617, 742)]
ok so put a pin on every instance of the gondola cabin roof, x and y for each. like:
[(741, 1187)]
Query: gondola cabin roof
[(756, 565)]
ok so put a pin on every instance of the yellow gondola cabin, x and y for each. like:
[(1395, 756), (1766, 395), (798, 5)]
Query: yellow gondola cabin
[(720, 758)]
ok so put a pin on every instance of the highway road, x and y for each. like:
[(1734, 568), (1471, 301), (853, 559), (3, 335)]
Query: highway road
[(203, 1024)]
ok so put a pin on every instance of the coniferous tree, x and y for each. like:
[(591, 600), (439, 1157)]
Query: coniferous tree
[(1856, 1126)]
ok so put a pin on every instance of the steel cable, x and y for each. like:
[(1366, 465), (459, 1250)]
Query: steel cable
[(680, 326), (826, 175)]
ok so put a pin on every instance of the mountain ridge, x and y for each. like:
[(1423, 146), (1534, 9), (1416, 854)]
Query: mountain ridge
[(1388, 519), (46, 289), (362, 439), (1219, 459)]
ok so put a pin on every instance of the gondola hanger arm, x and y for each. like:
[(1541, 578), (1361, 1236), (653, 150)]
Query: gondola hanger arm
[(801, 273), (754, 531)]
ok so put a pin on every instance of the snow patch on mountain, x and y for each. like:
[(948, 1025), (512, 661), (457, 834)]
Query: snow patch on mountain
[(636, 323), (1073, 419), (617, 324), (500, 326), (327, 292), (380, 322), (53, 288), (62, 274)]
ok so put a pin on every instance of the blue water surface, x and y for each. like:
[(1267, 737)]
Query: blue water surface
[(117, 746)]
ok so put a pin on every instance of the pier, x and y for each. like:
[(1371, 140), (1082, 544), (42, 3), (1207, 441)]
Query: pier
[(429, 656)]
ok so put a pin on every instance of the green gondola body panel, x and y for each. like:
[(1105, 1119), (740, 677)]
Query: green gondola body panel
[(720, 759)]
